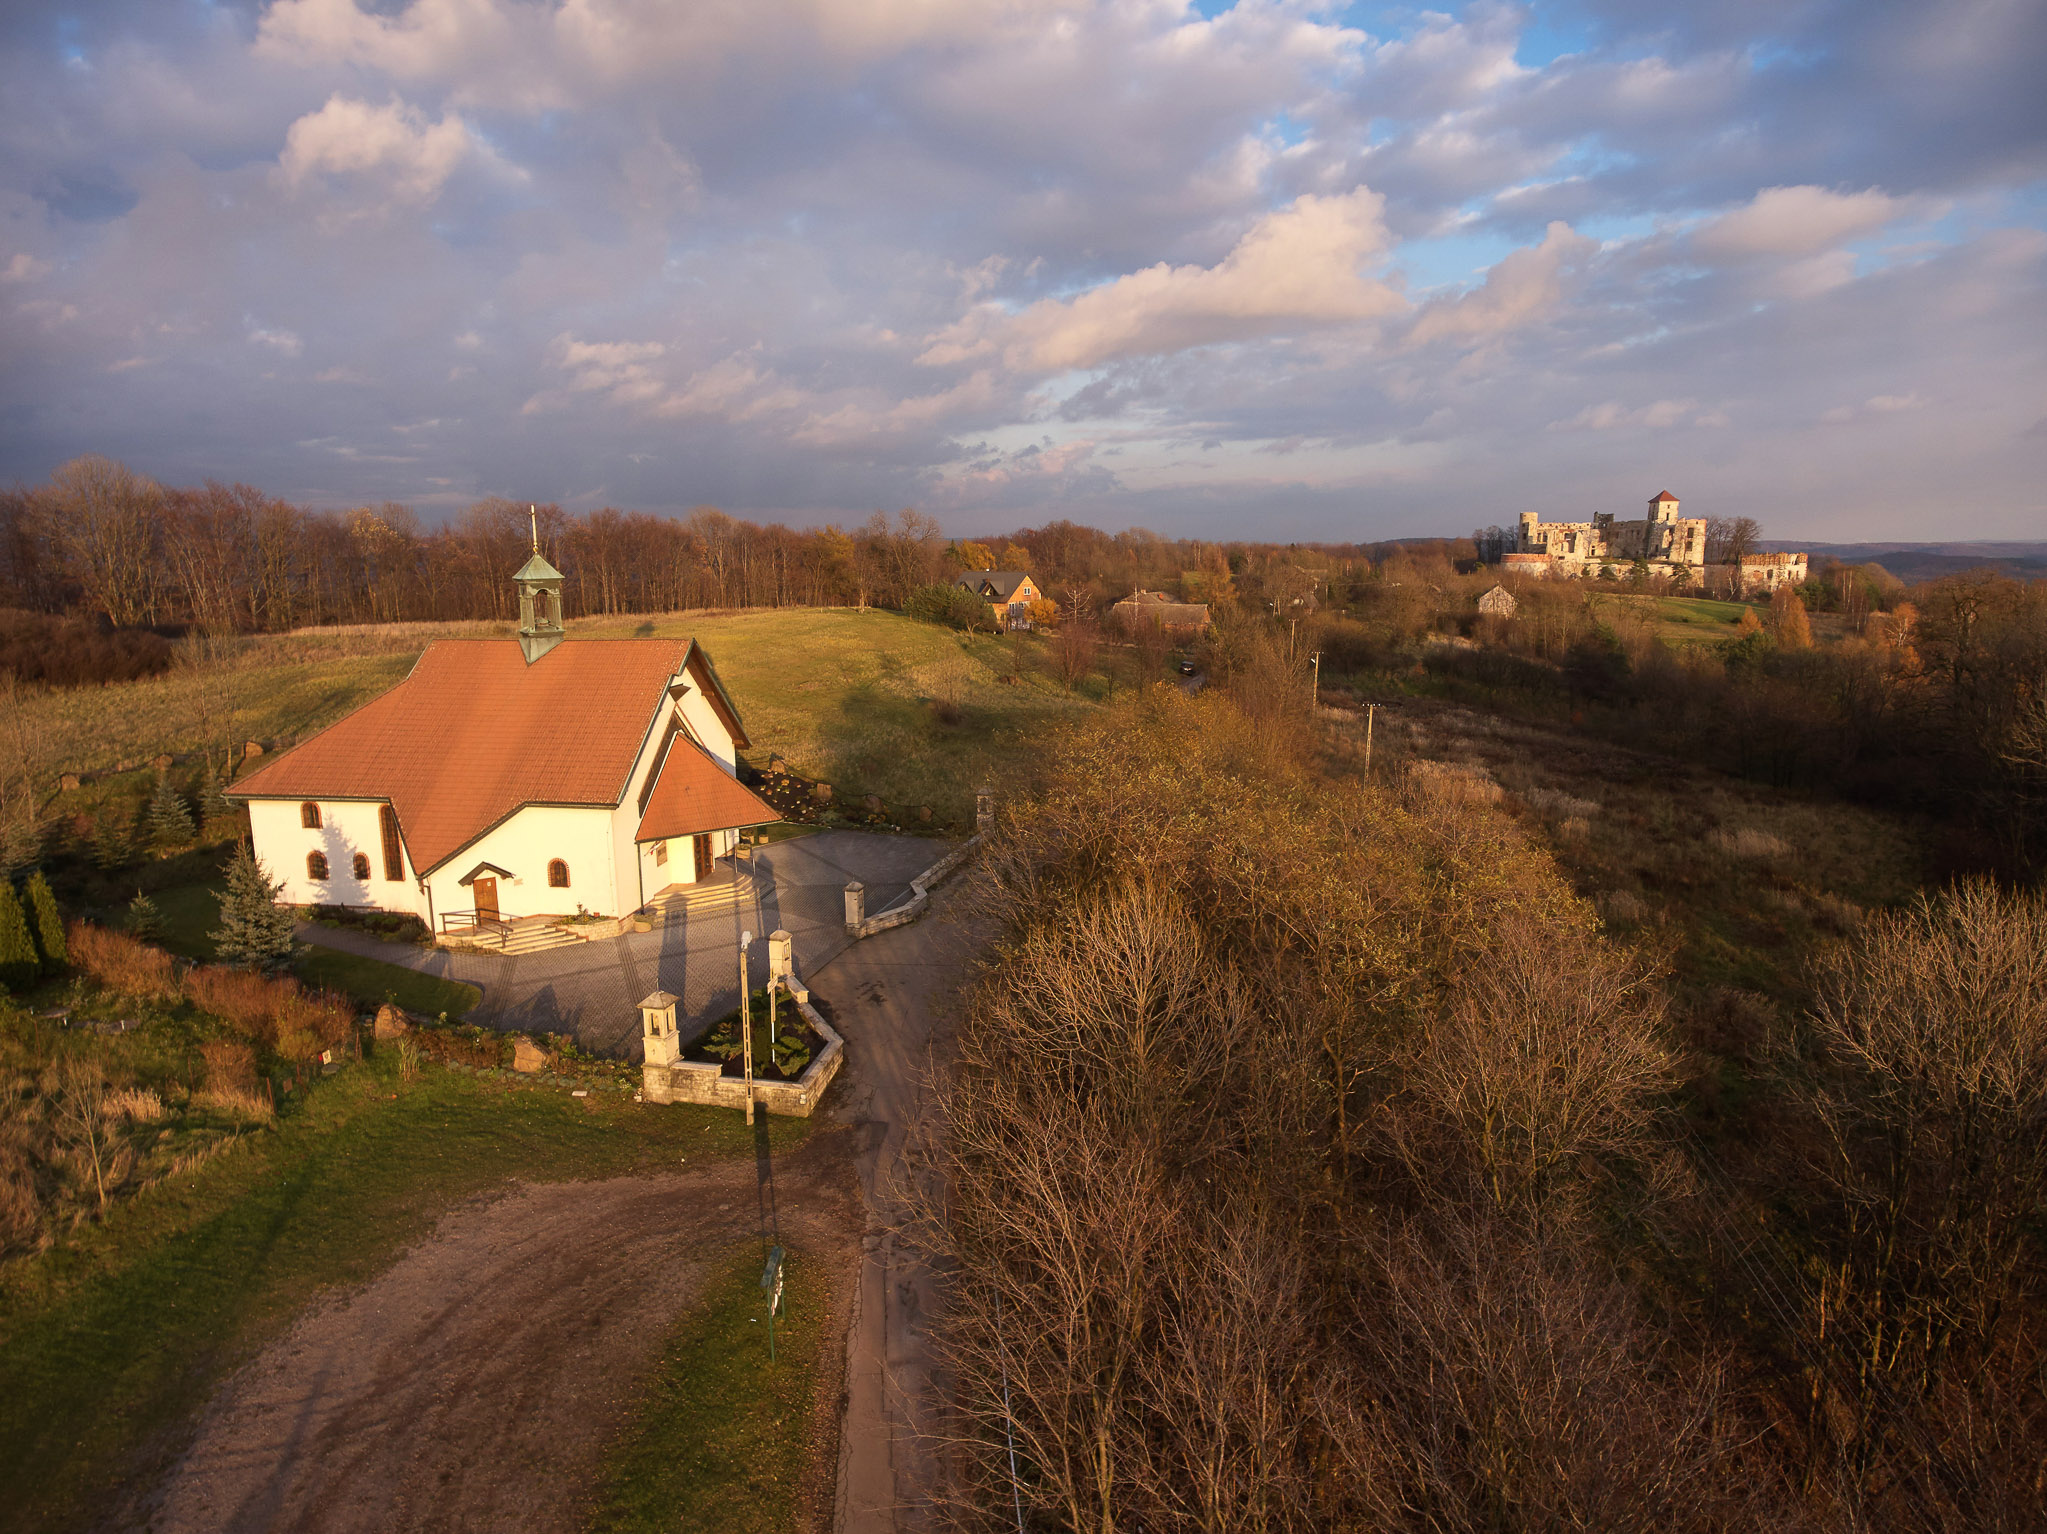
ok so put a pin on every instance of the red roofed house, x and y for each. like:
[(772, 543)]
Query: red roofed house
[(506, 778)]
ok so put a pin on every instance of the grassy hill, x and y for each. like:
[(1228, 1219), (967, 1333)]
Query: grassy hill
[(870, 702)]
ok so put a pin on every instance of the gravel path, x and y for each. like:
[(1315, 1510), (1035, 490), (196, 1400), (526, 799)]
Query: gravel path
[(474, 1384)]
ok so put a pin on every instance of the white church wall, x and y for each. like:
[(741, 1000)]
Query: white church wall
[(347, 827), (523, 846)]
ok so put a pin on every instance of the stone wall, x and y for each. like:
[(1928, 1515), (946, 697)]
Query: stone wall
[(705, 1082)]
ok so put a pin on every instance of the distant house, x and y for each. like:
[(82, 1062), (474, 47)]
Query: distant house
[(1497, 603), (1180, 620), (1009, 592), (514, 777)]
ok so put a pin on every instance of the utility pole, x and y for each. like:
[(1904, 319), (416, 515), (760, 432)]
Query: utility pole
[(746, 1021), (1370, 710), (1315, 688)]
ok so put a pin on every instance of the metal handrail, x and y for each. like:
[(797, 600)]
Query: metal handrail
[(470, 921)]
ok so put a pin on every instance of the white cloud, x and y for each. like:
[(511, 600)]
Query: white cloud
[(1878, 404), (1658, 415), (23, 267), (392, 146), (1525, 286), (1797, 221), (556, 52), (284, 341), (1298, 267)]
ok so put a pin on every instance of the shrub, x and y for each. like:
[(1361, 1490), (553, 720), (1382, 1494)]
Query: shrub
[(246, 1001), (47, 924), (72, 652), (122, 963), (18, 964), (1747, 842), (230, 1065), (952, 606)]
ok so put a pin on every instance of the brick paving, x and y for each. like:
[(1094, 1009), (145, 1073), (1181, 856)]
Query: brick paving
[(591, 990)]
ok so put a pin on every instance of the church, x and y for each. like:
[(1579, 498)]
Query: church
[(514, 777)]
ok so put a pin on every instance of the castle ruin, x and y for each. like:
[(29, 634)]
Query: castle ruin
[(1663, 542)]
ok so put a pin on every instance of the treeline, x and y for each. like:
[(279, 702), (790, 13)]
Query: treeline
[(1312, 1161), (101, 542)]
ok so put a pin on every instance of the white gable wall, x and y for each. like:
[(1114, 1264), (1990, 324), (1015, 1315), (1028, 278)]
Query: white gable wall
[(347, 827), (522, 846)]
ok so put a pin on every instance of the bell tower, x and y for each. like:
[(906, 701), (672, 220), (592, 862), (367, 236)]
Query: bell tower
[(540, 601)]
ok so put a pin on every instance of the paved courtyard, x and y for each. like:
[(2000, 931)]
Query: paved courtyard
[(591, 990)]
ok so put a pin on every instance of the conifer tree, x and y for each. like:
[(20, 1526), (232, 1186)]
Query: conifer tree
[(113, 836), (145, 921), (18, 964), (46, 924), (213, 801), (254, 929), (170, 822)]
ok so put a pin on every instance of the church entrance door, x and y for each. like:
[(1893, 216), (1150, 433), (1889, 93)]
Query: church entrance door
[(486, 892), (703, 852)]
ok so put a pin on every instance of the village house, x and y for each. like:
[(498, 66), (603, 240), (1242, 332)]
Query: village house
[(1181, 621), (504, 778), (1009, 592)]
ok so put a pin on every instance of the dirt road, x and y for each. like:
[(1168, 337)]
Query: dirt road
[(890, 996), (474, 1384)]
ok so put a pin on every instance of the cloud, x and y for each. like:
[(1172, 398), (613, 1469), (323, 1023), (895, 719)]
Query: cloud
[(1297, 268), (23, 267), (1527, 285), (1876, 404), (391, 146), (1796, 221), (283, 341), (1657, 415)]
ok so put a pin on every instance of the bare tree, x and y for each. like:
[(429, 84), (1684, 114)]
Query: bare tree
[(1074, 648)]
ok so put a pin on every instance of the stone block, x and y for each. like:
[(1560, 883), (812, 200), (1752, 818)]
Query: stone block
[(252, 748), (821, 792), (528, 1057), (67, 780), (872, 803), (391, 1023), (161, 761)]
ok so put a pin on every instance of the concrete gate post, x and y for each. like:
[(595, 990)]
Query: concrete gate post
[(856, 906)]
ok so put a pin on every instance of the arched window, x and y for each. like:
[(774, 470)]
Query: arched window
[(309, 816), (316, 867), (362, 867), (557, 875)]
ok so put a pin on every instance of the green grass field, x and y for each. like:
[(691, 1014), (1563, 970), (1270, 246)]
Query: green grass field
[(1685, 620), (113, 1338)]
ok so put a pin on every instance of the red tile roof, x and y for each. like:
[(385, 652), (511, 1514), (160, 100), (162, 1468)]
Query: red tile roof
[(694, 793), (1661, 495), (474, 733)]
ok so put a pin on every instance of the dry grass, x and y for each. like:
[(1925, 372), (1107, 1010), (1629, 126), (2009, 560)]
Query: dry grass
[(1454, 783), (121, 963), (1749, 843)]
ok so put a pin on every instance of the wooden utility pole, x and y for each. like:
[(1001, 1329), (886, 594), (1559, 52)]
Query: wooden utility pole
[(1370, 710), (1315, 688), (746, 1021)]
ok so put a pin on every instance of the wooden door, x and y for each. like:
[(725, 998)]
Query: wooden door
[(486, 891), (703, 851)]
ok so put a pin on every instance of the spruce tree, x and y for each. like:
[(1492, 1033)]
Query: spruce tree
[(213, 801), (145, 921), (254, 929), (47, 925), (170, 822), (113, 836), (18, 964)]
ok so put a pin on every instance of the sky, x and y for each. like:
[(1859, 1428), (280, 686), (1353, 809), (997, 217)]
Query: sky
[(1275, 270)]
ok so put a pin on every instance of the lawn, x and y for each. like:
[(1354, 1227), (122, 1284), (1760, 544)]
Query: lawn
[(689, 1461), (848, 697), (111, 1340), (1685, 620)]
